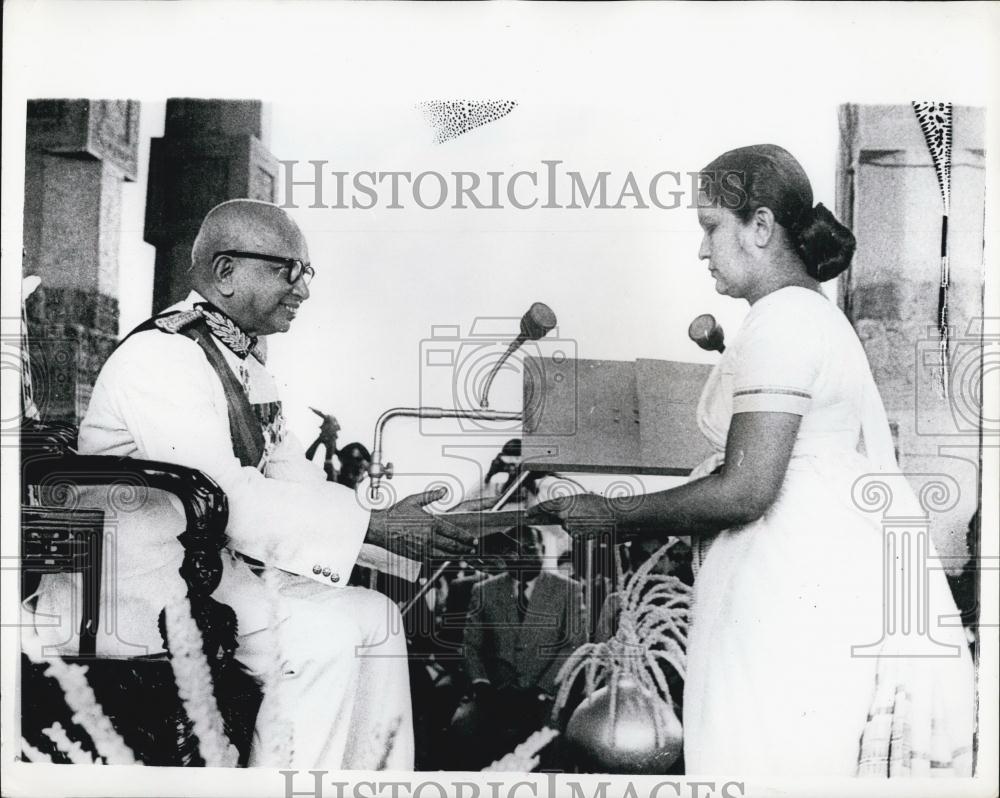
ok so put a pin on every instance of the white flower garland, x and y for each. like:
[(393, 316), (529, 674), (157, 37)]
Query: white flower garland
[(524, 758), (32, 754), (73, 750), (275, 728), (87, 712), (194, 685)]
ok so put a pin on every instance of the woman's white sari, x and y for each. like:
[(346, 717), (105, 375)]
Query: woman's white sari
[(789, 618)]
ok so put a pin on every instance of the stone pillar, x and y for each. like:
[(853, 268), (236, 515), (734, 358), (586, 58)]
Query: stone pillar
[(211, 151), (78, 153), (888, 194)]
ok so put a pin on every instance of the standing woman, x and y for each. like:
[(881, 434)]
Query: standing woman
[(793, 575)]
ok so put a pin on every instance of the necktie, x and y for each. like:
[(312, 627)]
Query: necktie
[(522, 599)]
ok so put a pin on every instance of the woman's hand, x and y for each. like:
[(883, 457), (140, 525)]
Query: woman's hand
[(758, 449), (580, 514), (474, 505)]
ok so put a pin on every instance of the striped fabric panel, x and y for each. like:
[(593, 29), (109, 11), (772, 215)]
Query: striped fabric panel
[(886, 747), (772, 399)]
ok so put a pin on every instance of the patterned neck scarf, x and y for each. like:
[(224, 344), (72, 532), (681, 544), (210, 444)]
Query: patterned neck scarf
[(229, 332)]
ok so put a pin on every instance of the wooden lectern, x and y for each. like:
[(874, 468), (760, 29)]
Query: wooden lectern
[(613, 417)]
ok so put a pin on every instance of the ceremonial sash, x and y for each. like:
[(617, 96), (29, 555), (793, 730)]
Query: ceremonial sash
[(244, 426)]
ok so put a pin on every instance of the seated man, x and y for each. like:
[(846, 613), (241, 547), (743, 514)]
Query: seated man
[(521, 626), (190, 387)]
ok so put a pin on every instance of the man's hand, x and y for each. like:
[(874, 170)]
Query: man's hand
[(410, 531)]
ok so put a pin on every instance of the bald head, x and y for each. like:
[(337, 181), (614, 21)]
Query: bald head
[(245, 287), (248, 225)]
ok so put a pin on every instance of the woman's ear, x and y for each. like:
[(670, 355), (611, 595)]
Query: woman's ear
[(223, 270), (762, 226)]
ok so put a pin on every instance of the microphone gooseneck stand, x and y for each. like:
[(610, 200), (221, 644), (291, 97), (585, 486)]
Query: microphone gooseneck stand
[(535, 324)]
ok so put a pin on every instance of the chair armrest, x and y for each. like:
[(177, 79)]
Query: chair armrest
[(206, 508), (49, 465)]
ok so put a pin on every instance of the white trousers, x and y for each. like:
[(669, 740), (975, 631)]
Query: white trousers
[(343, 694)]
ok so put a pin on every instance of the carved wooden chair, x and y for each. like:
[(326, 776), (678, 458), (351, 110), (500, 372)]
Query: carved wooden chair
[(138, 694)]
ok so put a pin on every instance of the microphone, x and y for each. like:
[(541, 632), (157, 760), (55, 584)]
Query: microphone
[(538, 322), (707, 333)]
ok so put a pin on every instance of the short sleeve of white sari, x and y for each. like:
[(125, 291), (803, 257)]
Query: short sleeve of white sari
[(778, 359)]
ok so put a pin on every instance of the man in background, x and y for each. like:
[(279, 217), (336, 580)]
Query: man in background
[(522, 625)]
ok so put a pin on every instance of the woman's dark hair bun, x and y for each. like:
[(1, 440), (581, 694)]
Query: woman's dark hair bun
[(824, 244), (768, 176)]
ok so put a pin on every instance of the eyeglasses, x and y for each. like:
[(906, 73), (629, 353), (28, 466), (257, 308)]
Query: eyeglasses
[(296, 268)]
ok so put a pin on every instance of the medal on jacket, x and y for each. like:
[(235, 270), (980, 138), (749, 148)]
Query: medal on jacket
[(227, 331), (205, 325), (274, 433)]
